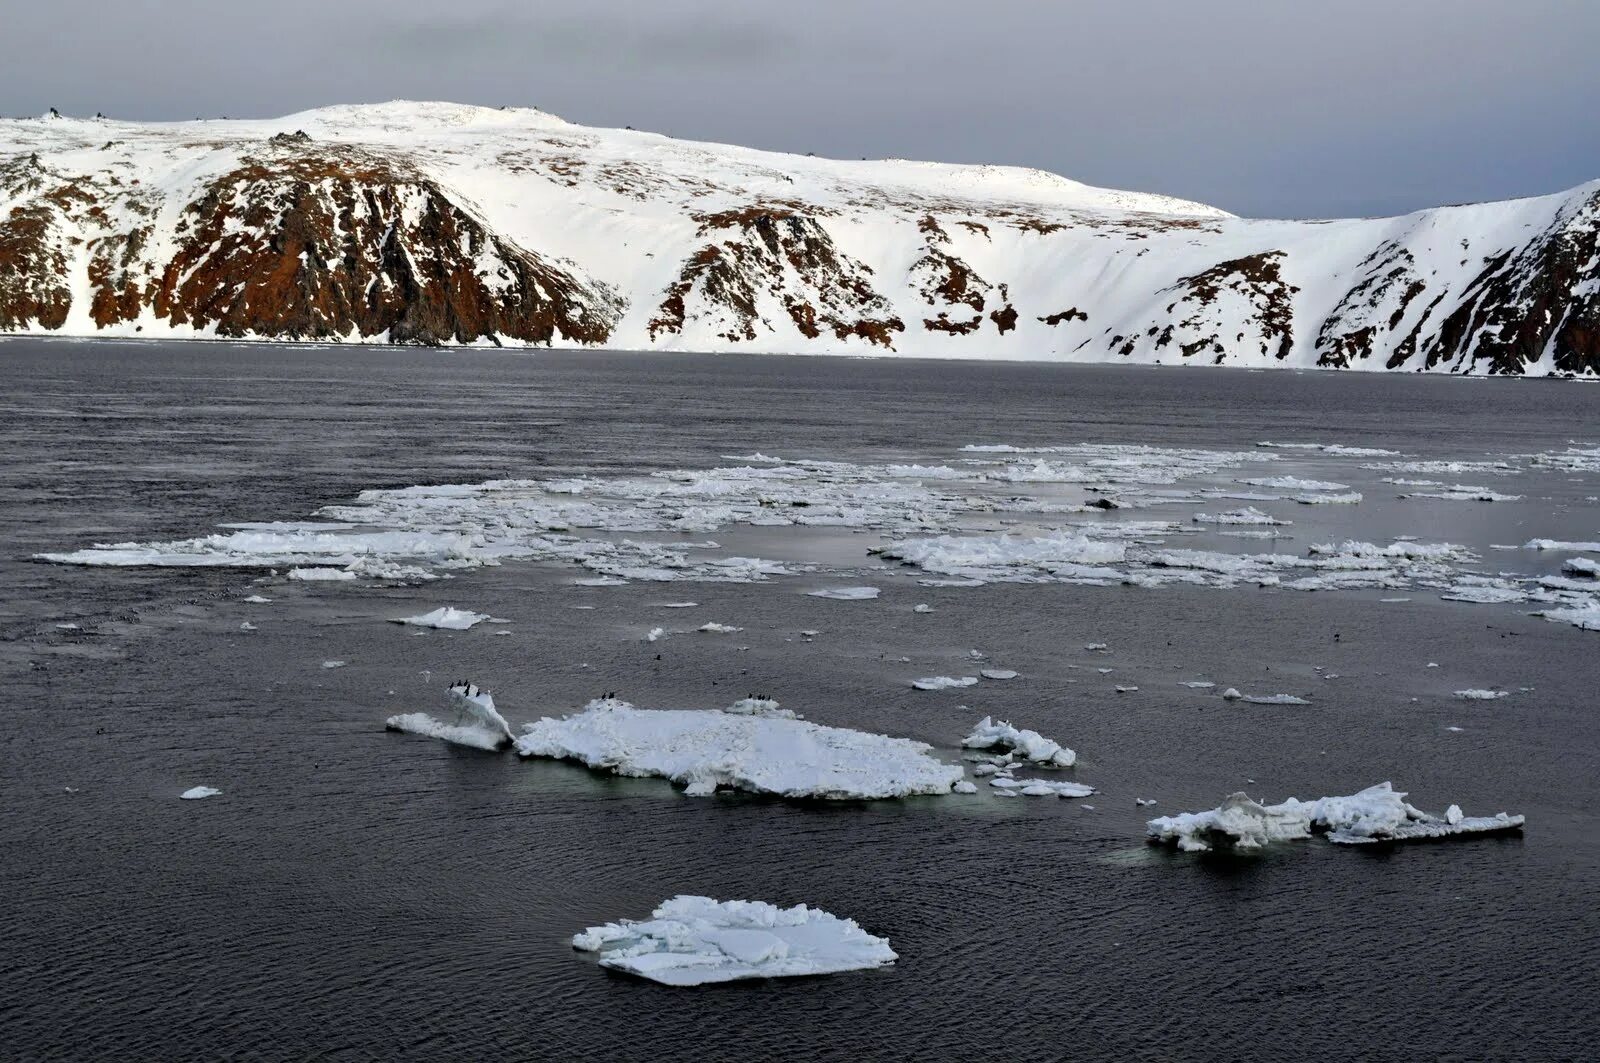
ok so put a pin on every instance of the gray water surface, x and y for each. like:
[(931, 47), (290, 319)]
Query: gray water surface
[(356, 894)]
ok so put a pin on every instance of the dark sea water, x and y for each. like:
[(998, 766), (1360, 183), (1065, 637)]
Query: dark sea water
[(356, 894)]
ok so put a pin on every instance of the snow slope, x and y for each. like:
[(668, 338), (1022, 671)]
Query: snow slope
[(439, 223)]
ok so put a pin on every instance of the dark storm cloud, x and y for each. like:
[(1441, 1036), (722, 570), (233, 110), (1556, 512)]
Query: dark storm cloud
[(1262, 106)]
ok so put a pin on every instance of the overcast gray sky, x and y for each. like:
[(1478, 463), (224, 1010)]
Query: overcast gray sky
[(1270, 107)]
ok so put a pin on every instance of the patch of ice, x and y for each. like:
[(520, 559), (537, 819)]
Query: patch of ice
[(705, 750), (321, 575), (1349, 499), (445, 618), (715, 628), (1042, 787), (1275, 699), (1294, 483), (333, 664), (476, 723), (1483, 695), (256, 599), (997, 673), (696, 941), (197, 793), (944, 682), (989, 733), (1377, 814), (847, 594), (1247, 515), (1557, 544)]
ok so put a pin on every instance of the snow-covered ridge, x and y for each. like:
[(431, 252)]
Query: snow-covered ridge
[(443, 223)]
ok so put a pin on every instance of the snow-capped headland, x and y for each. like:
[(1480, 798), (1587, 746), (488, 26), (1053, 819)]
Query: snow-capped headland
[(439, 223)]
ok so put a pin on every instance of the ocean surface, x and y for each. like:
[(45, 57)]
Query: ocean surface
[(362, 895)]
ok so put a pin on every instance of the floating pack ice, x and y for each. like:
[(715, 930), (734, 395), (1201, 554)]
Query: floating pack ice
[(444, 617), (706, 750), (697, 940), (989, 733), (1377, 814), (476, 723)]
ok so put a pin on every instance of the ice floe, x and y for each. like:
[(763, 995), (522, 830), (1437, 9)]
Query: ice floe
[(197, 793), (1274, 699), (989, 733), (714, 628), (321, 575), (1294, 483), (1041, 787), (1350, 498), (1377, 814), (1247, 515), (1482, 695), (997, 673), (446, 618), (707, 750), (944, 682), (475, 721), (1557, 544), (697, 940), (847, 594)]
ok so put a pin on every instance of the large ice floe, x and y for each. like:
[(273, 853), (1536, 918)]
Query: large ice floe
[(696, 940), (766, 752), (473, 721), (1375, 815)]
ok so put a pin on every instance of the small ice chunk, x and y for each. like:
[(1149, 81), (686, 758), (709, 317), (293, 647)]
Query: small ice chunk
[(654, 634), (196, 793), (964, 787), (333, 664), (1483, 695), (1041, 787), (1275, 699), (989, 733), (247, 626), (715, 628), (1144, 802), (256, 599), (1197, 684), (697, 940), (922, 607), (477, 723), (445, 618), (943, 682), (997, 673), (318, 575), (846, 594), (1231, 694), (1096, 647), (677, 605), (1126, 690)]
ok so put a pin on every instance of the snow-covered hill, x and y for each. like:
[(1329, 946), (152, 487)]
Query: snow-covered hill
[(440, 223)]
